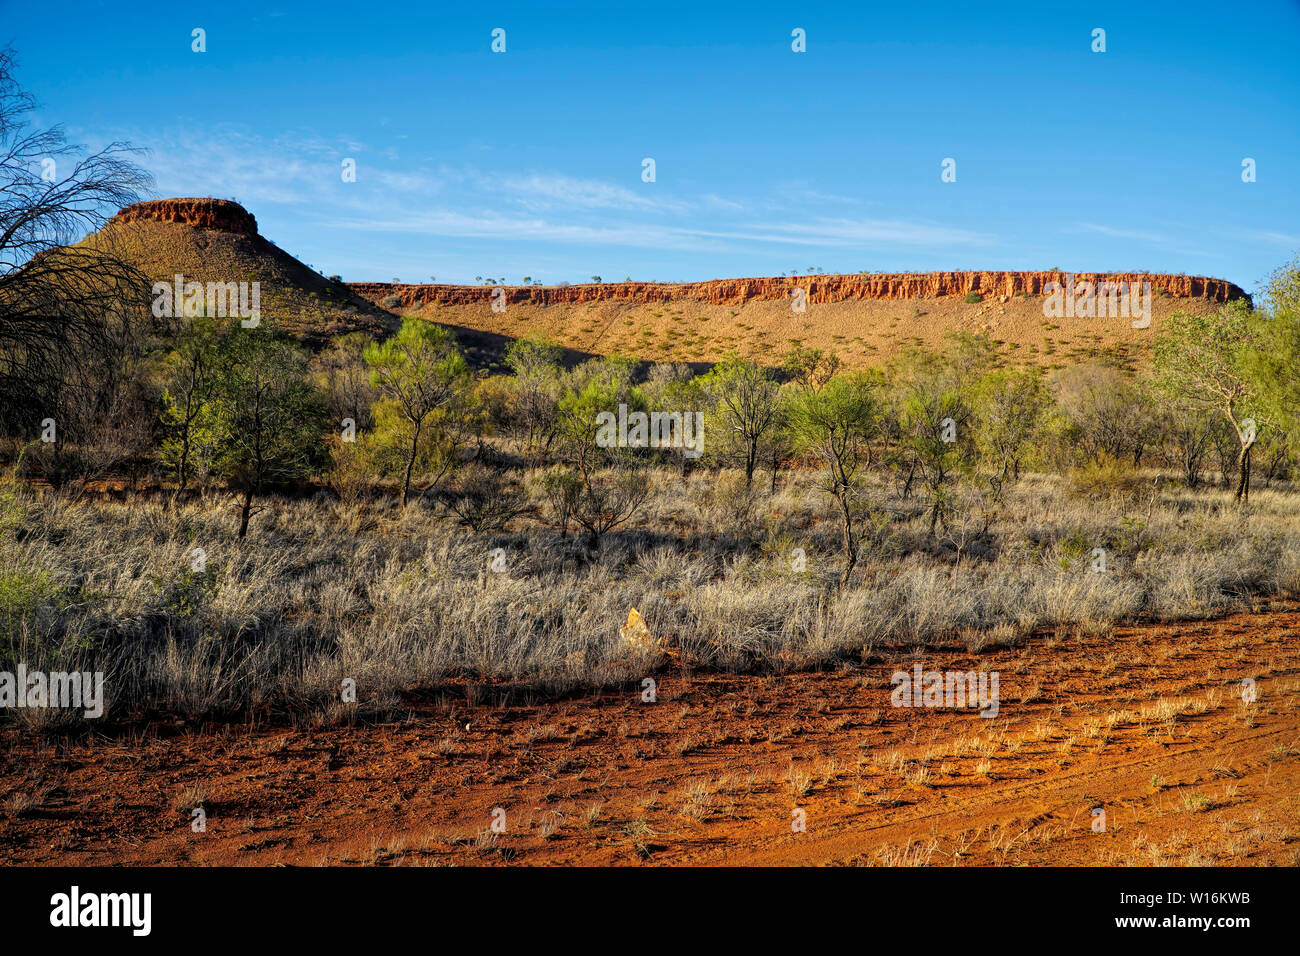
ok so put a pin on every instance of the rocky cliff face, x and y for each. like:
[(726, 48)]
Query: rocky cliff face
[(824, 288), (202, 213)]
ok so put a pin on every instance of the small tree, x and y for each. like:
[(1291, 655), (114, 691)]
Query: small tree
[(671, 388), (837, 425), (484, 499), (809, 367), (534, 394), (1113, 416), (425, 378), (595, 388), (190, 374), (1274, 364), (934, 423), (1202, 362), (344, 378), (745, 407), (778, 445), (612, 478), (1189, 438), (609, 499), (1274, 455), (267, 415), (561, 487), (1011, 405)]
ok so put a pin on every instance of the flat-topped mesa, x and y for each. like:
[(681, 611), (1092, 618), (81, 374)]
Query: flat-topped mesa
[(220, 214), (819, 288)]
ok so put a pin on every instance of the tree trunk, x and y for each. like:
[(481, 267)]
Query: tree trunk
[(245, 511), (907, 482), (410, 463), (849, 543), (1243, 473)]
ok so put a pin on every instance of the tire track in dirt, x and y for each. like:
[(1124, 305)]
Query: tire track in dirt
[(709, 773), (848, 838)]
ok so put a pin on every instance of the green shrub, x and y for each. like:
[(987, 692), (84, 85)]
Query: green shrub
[(1105, 476), (22, 594)]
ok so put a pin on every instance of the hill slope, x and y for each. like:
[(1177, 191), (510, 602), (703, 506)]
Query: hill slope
[(864, 318), (215, 240)]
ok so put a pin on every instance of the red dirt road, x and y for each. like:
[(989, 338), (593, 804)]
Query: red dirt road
[(1146, 722)]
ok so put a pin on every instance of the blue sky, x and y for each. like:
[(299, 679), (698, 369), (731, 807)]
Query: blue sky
[(529, 162)]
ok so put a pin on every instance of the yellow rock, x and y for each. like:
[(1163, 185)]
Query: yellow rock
[(635, 631)]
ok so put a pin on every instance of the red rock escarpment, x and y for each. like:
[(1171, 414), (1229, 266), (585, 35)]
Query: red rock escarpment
[(820, 288), (203, 213)]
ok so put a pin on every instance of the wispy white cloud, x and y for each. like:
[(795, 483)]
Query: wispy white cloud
[(805, 194), (1276, 238), (1165, 243), (859, 232), (713, 201), (300, 172), (450, 224), (290, 170), (410, 183), (557, 191), (1124, 233), (824, 233)]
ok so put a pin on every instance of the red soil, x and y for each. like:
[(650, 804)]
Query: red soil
[(703, 776)]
